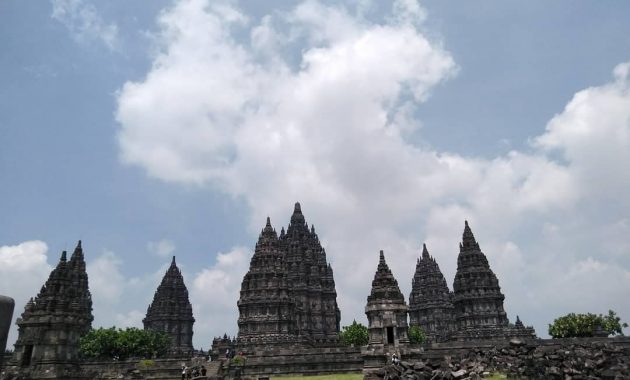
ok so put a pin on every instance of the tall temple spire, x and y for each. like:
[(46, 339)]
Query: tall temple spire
[(291, 276), (54, 321), (430, 305), (171, 312), (477, 296)]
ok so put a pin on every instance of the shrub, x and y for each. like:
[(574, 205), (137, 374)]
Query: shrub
[(416, 335), (121, 344), (584, 325), (355, 334)]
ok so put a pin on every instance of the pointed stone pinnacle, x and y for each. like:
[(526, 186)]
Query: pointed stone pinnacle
[(297, 209), (63, 256), (425, 252), (173, 262), (79, 244), (268, 222), (381, 259)]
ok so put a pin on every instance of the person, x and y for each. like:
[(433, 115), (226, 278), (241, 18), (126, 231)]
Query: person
[(203, 371), (395, 360), (183, 372), (227, 353)]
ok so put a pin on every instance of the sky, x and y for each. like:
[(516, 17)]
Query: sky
[(161, 128)]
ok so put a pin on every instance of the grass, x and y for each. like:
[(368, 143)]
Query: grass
[(496, 376), (338, 376)]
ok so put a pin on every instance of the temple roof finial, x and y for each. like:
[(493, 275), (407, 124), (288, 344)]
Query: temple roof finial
[(297, 209), (63, 256), (468, 239), (425, 252), (173, 261)]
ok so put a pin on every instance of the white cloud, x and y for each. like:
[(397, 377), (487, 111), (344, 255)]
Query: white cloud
[(84, 22), (332, 131), (24, 264), (116, 296), (214, 292), (162, 248)]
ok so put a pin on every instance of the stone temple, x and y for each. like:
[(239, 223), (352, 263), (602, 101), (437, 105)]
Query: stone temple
[(171, 312), (474, 310), (53, 321), (430, 301), (386, 309), (288, 296)]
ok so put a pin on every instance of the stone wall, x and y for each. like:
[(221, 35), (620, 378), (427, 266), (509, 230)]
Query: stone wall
[(605, 358), (312, 361)]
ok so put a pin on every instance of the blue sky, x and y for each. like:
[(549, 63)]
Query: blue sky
[(152, 129)]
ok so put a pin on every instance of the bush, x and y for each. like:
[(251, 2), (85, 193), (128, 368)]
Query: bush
[(416, 335), (584, 325), (355, 334), (121, 344)]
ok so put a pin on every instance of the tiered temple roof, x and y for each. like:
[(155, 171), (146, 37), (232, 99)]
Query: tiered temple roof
[(477, 296), (266, 312), (430, 301), (53, 321), (171, 312), (386, 309), (288, 294)]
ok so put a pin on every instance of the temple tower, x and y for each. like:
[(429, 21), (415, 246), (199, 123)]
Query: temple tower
[(266, 312), (311, 282), (171, 312), (54, 321), (288, 294), (477, 296), (386, 309), (430, 301)]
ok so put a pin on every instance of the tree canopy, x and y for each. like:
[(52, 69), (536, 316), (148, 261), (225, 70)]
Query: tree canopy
[(585, 325), (355, 334), (121, 344)]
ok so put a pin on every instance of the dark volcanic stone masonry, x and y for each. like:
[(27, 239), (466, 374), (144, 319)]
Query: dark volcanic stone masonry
[(288, 295), (53, 321), (474, 310), (171, 312), (430, 301), (386, 309), (477, 295)]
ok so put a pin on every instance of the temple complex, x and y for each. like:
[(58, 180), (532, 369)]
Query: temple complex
[(171, 312), (288, 295), (53, 322), (430, 301)]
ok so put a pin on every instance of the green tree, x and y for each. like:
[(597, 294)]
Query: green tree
[(121, 344), (355, 334), (584, 325), (416, 335)]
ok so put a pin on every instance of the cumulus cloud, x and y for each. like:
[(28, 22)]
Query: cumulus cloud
[(214, 293), (117, 296), (26, 264), (333, 130), (84, 22), (162, 248)]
